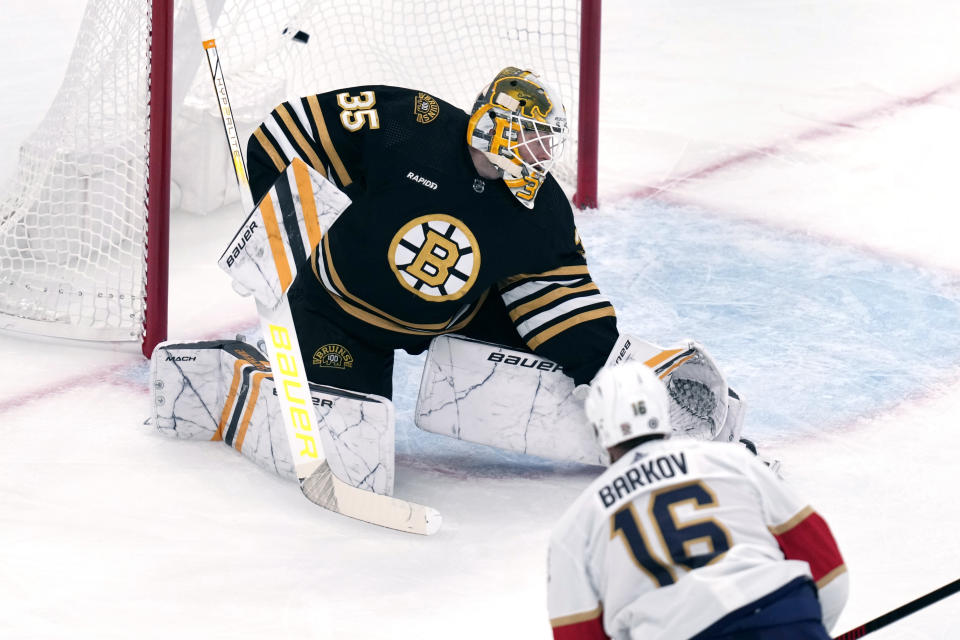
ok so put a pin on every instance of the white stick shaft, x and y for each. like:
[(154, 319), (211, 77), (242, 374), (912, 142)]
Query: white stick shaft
[(223, 102), (292, 387)]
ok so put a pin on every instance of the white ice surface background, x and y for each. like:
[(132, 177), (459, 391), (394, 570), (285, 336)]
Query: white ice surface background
[(777, 180)]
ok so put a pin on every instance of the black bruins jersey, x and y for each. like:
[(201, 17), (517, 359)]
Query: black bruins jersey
[(426, 239)]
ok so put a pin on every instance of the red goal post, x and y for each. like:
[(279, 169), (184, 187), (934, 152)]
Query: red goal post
[(83, 221)]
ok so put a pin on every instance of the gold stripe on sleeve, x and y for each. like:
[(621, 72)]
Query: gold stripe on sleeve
[(572, 270), (305, 189), (560, 327), (264, 141), (327, 143), (547, 298), (298, 138), (781, 529), (574, 618), (827, 579)]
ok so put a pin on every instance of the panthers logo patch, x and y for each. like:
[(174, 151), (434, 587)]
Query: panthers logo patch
[(426, 108), (334, 356), (435, 257)]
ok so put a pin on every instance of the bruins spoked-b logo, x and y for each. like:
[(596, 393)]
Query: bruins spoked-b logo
[(334, 356), (436, 257), (426, 108)]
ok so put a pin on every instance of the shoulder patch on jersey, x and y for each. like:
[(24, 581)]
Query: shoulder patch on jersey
[(426, 108), (435, 257)]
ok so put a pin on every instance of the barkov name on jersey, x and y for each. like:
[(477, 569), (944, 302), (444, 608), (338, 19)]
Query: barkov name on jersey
[(641, 474)]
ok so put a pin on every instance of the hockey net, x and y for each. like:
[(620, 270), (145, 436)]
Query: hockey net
[(72, 219), (75, 217)]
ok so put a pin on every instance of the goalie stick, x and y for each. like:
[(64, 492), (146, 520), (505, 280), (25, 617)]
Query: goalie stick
[(317, 481), (902, 611)]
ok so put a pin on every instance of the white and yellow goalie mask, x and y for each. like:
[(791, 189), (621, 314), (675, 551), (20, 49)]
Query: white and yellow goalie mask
[(520, 125)]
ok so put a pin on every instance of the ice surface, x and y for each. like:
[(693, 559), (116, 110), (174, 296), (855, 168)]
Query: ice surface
[(777, 181)]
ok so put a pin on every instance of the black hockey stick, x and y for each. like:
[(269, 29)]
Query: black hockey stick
[(901, 611)]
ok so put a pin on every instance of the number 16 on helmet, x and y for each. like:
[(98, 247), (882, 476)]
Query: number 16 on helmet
[(627, 401)]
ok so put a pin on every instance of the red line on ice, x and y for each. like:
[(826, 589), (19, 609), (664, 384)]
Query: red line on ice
[(833, 129), (105, 375)]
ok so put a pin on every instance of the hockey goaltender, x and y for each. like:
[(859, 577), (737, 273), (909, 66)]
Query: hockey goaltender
[(410, 224)]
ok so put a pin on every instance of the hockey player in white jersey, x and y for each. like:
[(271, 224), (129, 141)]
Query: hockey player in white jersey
[(681, 538)]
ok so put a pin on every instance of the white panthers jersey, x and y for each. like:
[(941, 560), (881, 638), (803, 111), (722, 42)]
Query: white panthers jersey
[(676, 535)]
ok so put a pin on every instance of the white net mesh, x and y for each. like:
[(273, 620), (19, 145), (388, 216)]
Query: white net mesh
[(73, 218), (451, 48)]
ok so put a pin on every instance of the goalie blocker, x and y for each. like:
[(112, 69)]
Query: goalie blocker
[(490, 394)]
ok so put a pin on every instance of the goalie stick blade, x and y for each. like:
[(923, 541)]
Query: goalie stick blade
[(317, 481), (326, 490)]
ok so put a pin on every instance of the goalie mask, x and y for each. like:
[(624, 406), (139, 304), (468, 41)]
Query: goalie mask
[(627, 401), (520, 125)]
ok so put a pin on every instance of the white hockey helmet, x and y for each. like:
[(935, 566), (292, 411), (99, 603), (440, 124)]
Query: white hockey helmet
[(520, 125), (626, 401)]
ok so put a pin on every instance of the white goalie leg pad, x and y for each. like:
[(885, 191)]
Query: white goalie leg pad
[(186, 389), (223, 390), (490, 394), (275, 239)]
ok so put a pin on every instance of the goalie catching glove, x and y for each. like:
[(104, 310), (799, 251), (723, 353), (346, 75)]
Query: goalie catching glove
[(702, 405)]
